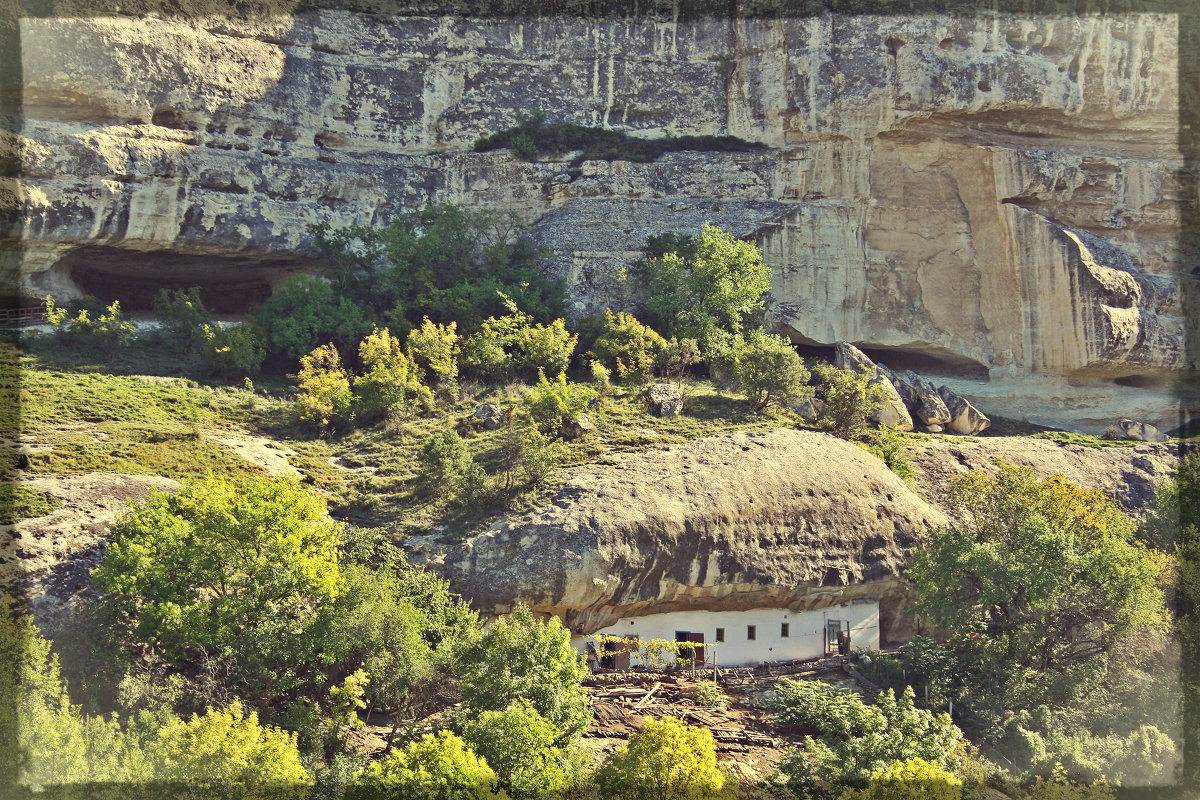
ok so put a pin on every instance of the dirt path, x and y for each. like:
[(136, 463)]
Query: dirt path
[(266, 453)]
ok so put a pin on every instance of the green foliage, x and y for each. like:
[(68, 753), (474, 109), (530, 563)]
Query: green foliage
[(305, 311), (914, 779), (850, 399), (769, 370), (601, 378), (666, 760), (519, 657), (677, 356), (437, 766), (627, 346), (518, 743), (709, 695), (539, 457), (444, 459), (433, 350), (707, 290), (354, 263), (325, 399), (546, 348), (855, 740), (182, 315), (888, 444), (504, 344), (225, 750), (534, 135), (1059, 787), (222, 567), (106, 330), (228, 351), (456, 264), (551, 402), (390, 380)]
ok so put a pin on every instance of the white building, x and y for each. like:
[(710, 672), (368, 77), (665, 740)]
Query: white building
[(740, 638)]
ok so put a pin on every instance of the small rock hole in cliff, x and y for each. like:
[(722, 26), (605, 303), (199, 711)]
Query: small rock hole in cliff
[(893, 44), (229, 285), (1141, 381)]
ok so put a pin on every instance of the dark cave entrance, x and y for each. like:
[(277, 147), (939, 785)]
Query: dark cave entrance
[(942, 364), (229, 285)]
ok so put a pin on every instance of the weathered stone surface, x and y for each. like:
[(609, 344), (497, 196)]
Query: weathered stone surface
[(900, 200), (733, 521), (893, 413), (1141, 432), (964, 417), (489, 416), (809, 408), (576, 426), (926, 404), (847, 356), (665, 399)]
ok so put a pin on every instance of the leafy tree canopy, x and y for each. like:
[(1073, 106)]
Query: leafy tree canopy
[(666, 760)]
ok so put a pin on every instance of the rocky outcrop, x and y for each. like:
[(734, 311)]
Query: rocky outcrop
[(1135, 431), (665, 399), (780, 518), (893, 411), (1001, 193), (965, 418)]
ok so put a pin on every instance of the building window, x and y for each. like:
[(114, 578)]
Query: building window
[(720, 634), (783, 630), (751, 633)]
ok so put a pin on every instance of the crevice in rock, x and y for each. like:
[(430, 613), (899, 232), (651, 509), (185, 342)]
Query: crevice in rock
[(926, 360)]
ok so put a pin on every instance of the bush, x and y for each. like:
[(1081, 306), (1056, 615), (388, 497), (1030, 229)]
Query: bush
[(230, 351), (546, 348), (666, 760), (601, 378), (551, 402), (677, 356), (628, 346), (443, 460), (888, 444), (519, 657), (1059, 787), (390, 378), (539, 458), (433, 349), (108, 332), (437, 766), (769, 371), (518, 743), (709, 695), (850, 399), (182, 315), (305, 311), (325, 399), (514, 341), (914, 779)]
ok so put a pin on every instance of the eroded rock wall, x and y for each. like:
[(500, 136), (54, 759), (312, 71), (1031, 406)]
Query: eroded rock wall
[(1001, 192)]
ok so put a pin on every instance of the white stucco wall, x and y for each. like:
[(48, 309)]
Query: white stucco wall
[(806, 631)]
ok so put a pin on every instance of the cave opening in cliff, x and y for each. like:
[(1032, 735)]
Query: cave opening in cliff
[(229, 285), (923, 362)]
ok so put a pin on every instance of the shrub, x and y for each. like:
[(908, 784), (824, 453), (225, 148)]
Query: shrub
[(518, 743), (677, 356), (325, 399), (888, 444), (666, 760), (914, 779), (546, 348), (709, 695), (182, 315), (519, 657), (111, 331), (488, 353), (223, 750), (539, 457), (1059, 787), (390, 378), (628, 346), (769, 371), (304, 311), (850, 399), (437, 766), (601, 378), (230, 351), (551, 402), (433, 349), (444, 459)]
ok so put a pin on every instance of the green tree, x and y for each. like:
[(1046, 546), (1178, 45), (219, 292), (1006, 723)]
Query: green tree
[(519, 657), (325, 399), (182, 315), (627, 346), (223, 569), (227, 753), (707, 289), (433, 349), (518, 743), (305, 311), (551, 402), (769, 370), (444, 459), (666, 760), (390, 379), (230, 351), (438, 767)]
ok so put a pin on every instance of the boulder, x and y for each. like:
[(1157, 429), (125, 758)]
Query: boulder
[(665, 399), (1141, 431), (490, 416), (576, 426), (809, 408), (893, 413), (926, 404), (847, 356), (965, 418)]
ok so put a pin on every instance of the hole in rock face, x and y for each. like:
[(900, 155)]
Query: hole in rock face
[(228, 284), (898, 359), (1140, 381)]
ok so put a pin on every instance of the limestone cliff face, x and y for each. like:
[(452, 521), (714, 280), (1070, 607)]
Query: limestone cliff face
[(1000, 193), (785, 518)]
